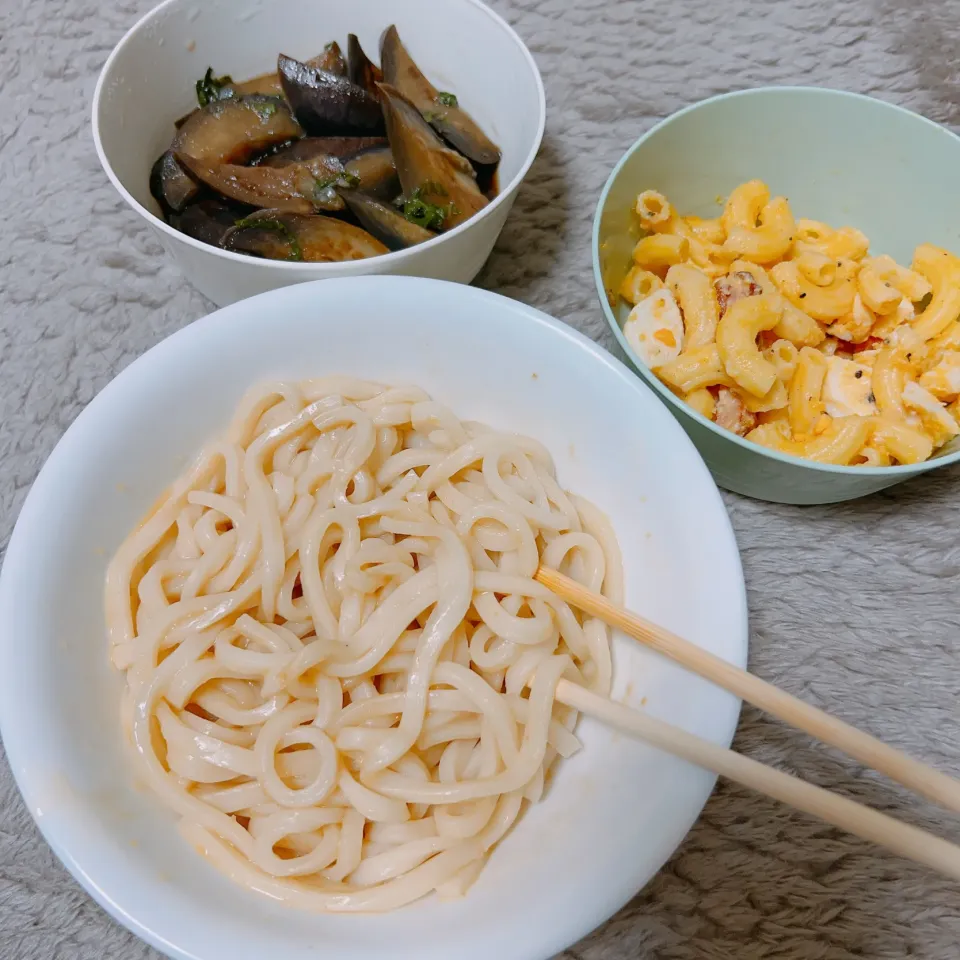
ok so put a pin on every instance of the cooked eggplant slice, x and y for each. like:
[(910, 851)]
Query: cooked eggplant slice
[(384, 222), (441, 110), (172, 187), (277, 235), (360, 69), (376, 171), (267, 85), (317, 160), (208, 220), (328, 105), (234, 130), (330, 60), (310, 147), (429, 171), (488, 179), (321, 165), (293, 188), (329, 173)]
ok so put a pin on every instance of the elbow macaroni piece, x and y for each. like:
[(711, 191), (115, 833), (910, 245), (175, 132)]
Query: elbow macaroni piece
[(796, 337), (661, 250), (696, 369), (776, 398), (887, 382), (653, 208), (737, 334), (817, 267), (703, 401), (695, 293), (942, 270), (795, 325), (875, 289), (744, 204), (822, 303), (805, 389), (784, 356), (706, 231), (903, 442), (840, 443), (769, 240), (847, 242), (639, 284)]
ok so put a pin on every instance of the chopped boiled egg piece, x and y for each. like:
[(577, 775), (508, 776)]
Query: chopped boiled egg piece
[(847, 389), (907, 339), (943, 380), (654, 329), (934, 415), (904, 314), (856, 327)]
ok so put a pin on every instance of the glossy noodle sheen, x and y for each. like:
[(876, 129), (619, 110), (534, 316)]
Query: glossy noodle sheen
[(340, 671)]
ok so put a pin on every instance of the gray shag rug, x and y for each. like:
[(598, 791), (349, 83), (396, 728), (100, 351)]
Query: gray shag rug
[(852, 607)]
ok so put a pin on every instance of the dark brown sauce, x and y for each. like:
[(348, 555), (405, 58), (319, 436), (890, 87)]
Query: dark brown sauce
[(488, 179)]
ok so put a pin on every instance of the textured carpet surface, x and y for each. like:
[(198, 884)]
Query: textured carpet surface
[(852, 607)]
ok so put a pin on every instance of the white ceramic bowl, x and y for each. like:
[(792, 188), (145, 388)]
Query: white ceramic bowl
[(462, 45), (839, 157), (613, 813)]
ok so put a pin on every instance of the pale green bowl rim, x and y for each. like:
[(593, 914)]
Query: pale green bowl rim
[(910, 469)]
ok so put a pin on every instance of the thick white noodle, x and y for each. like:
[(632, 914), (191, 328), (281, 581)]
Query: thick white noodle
[(340, 671)]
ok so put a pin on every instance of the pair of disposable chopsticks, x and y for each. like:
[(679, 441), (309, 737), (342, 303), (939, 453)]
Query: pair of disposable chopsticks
[(862, 821)]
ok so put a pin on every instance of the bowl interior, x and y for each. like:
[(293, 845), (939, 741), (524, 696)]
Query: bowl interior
[(459, 44), (838, 157), (614, 812)]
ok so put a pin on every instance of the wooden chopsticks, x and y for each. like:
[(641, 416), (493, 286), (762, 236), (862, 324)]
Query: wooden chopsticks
[(862, 821), (871, 752), (903, 839)]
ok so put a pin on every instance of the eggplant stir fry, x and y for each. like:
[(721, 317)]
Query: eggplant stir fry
[(328, 159)]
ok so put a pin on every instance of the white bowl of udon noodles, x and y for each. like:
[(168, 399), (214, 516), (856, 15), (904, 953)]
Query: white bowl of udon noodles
[(275, 679)]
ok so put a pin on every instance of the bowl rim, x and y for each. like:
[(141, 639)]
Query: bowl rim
[(318, 269), (61, 838), (675, 403)]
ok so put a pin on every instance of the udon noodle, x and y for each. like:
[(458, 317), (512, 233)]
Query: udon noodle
[(340, 670)]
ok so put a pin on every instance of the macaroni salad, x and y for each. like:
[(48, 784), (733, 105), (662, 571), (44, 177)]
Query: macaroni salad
[(786, 332)]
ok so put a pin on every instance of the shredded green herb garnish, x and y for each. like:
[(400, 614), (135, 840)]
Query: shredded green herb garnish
[(211, 88), (424, 214), (277, 226), (264, 107), (447, 99), (325, 186)]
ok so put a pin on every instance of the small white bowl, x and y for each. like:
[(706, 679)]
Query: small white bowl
[(462, 45), (614, 812)]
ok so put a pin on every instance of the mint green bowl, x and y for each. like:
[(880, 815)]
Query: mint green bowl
[(839, 157)]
